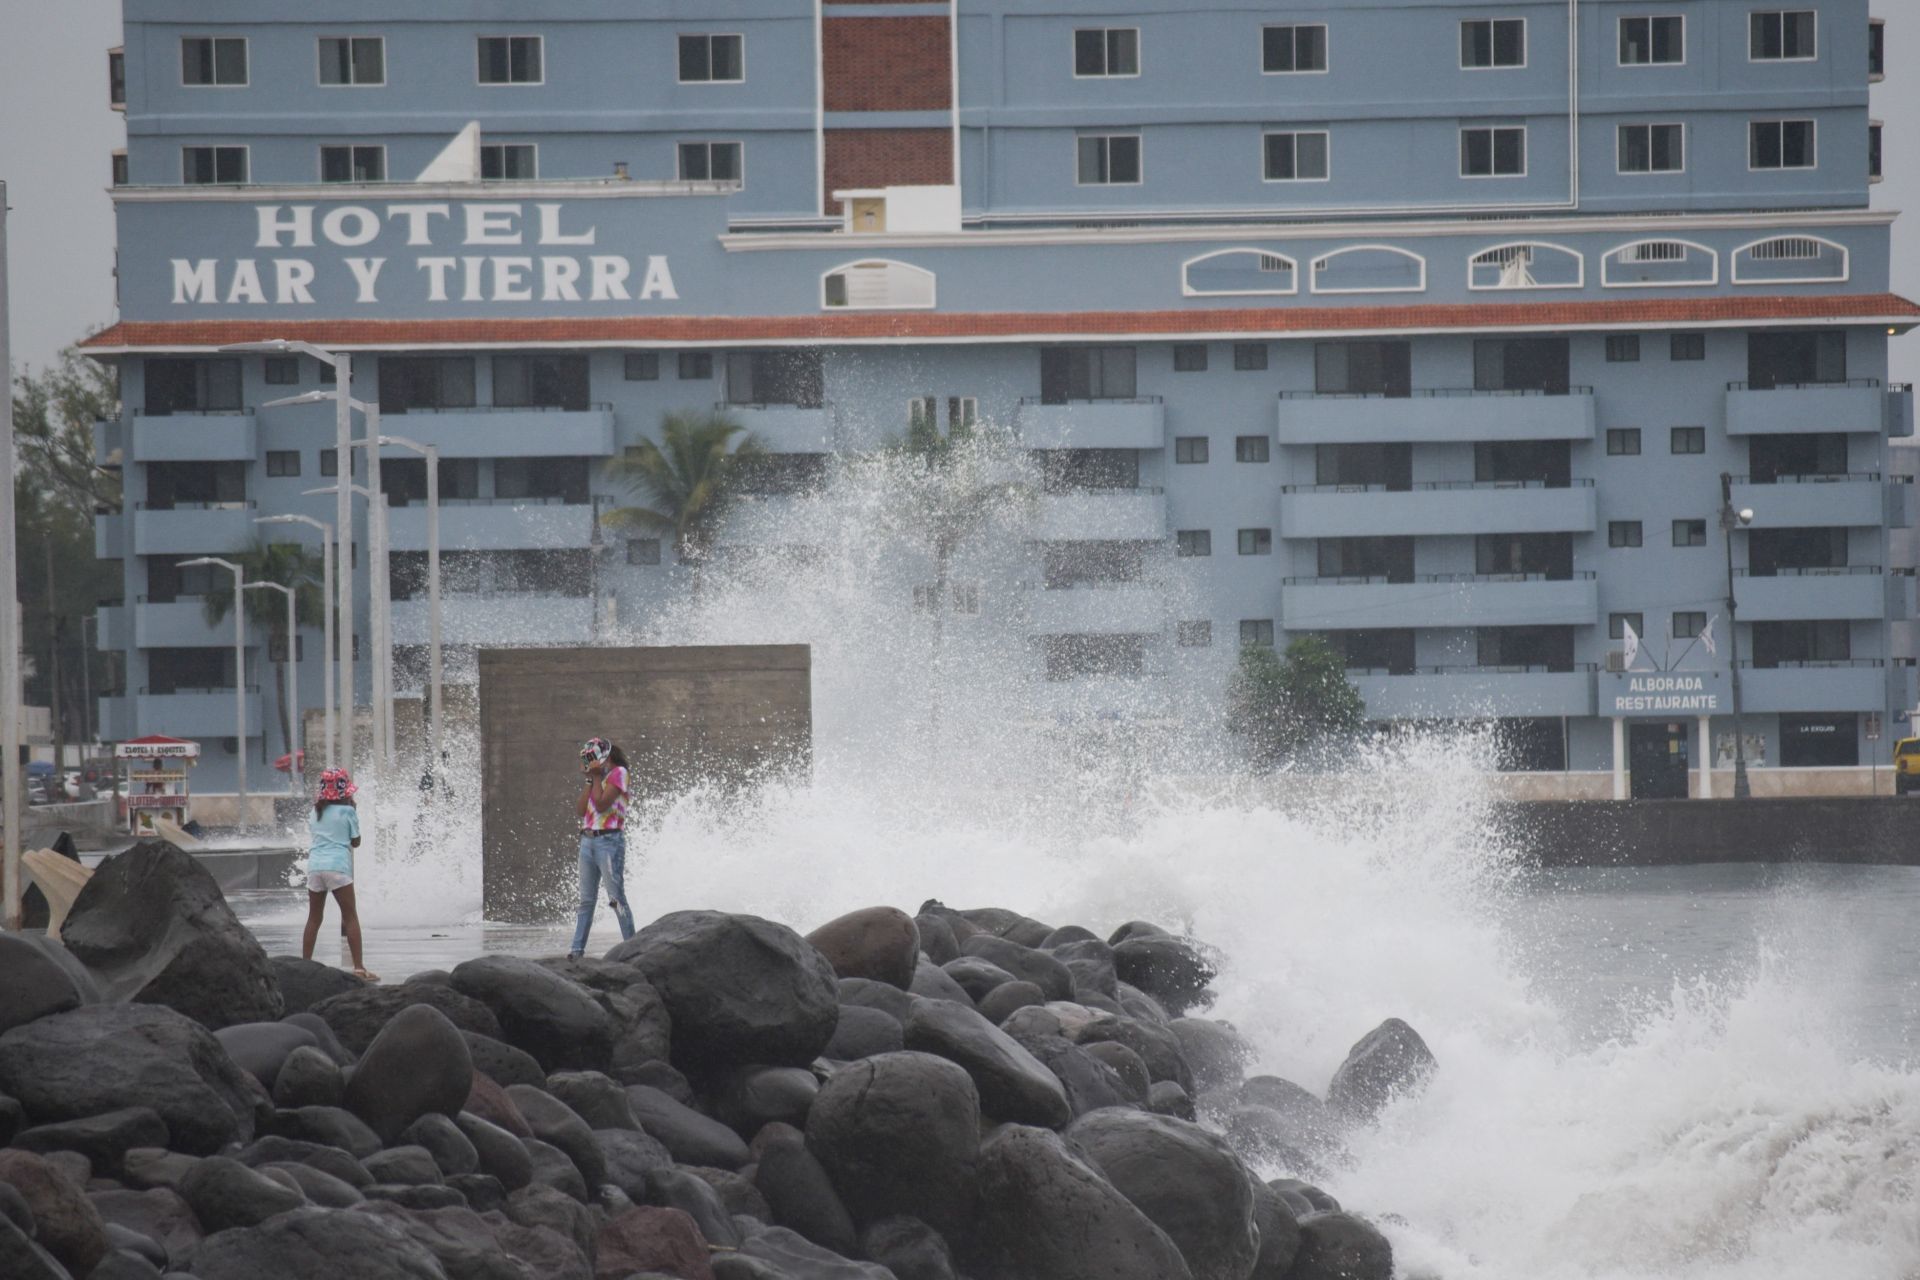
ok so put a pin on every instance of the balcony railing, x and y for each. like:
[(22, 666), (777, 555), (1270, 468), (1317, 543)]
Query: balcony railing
[(243, 505), (1432, 393), (1815, 571), (1093, 400), (540, 500), (1104, 490), (1814, 664), (242, 412), (721, 406), (422, 409), (1825, 477), (1360, 580), (1858, 384), (1504, 669), (193, 690), (1432, 486)]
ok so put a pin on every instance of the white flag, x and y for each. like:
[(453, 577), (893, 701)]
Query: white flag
[(1631, 648), (1706, 636)]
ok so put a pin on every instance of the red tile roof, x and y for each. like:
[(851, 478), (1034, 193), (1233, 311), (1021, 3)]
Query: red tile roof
[(1615, 313)]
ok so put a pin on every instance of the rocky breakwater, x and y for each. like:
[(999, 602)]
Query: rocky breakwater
[(892, 1097)]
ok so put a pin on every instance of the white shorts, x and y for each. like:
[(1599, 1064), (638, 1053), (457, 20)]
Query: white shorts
[(327, 881)]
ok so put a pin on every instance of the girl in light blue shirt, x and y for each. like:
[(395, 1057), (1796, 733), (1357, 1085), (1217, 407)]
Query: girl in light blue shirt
[(334, 833)]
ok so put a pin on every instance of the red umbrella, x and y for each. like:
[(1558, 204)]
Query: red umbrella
[(280, 765)]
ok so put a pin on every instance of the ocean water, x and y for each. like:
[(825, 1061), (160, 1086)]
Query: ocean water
[(1688, 1074)]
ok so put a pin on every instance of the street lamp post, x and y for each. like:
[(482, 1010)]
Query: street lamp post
[(432, 455), (239, 676), (378, 605), (86, 682), (293, 696), (328, 658), (1730, 520), (12, 807)]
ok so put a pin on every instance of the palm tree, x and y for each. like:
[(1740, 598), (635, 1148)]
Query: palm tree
[(290, 565), (685, 483)]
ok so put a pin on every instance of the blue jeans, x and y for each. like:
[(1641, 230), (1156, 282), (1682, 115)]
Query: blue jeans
[(602, 854)]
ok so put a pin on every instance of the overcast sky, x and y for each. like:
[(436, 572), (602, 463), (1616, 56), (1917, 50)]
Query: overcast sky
[(57, 136)]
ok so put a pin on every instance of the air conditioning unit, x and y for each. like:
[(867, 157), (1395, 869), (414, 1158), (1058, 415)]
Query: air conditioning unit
[(1616, 660)]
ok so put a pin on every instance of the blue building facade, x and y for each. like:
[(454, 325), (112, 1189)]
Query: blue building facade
[(1446, 331)]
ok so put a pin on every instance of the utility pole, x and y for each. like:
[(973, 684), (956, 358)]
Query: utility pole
[(58, 790), (12, 802)]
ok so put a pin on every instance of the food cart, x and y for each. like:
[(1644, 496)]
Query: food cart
[(154, 777)]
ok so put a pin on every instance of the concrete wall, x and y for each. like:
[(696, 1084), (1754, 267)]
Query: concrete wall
[(682, 714), (1672, 832)]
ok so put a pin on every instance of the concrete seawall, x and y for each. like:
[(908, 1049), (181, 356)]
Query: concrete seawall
[(1652, 833)]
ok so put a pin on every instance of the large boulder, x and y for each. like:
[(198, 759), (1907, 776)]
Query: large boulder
[(1215, 1052), (309, 1078), (598, 1099), (691, 1137), (1014, 1085), (1043, 1214), (789, 1255), (862, 1032), (501, 1154), (102, 1058), (305, 983), (327, 1127), (909, 1248), (1339, 1246), (1279, 1228), (417, 1064), (225, 1193), (900, 1133), (1171, 970), (1387, 1060), (357, 1016), (800, 1192), (682, 1189), (554, 1018), (316, 1244), (1187, 1181), (1024, 963), (259, 1048), (66, 1223), (630, 1156), (22, 1259), (33, 981), (932, 982), (501, 1062), (153, 926), (865, 993), (752, 1097), (1157, 1045), (880, 943), (558, 1125), (158, 1213), (1090, 1083), (104, 1139), (738, 988)]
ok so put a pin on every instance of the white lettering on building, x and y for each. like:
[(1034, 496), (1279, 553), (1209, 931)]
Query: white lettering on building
[(1666, 694)]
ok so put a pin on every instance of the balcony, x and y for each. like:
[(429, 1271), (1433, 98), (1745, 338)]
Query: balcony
[(1802, 502), (785, 428), (206, 528), (1102, 515), (1806, 595), (491, 432), (195, 437), (1439, 600), (110, 443), (493, 524), (116, 719), (200, 714), (1854, 684), (1475, 693), (1790, 408), (1900, 410), (110, 536), (1114, 608), (177, 624), (1138, 423), (112, 628), (1440, 507), (1308, 417), (521, 618)]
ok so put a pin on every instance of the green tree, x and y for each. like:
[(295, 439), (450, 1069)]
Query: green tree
[(290, 565), (683, 485), (1299, 708)]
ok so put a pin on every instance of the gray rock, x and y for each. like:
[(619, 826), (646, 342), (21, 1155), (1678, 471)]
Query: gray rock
[(630, 1156), (749, 1098), (1003, 1001), (417, 1064), (1389, 1059), (328, 1041), (309, 1078), (908, 1248), (864, 993), (358, 1016), (793, 1257), (1136, 1003), (1279, 1229), (863, 1032), (1024, 963), (22, 1259), (801, 1195), (554, 1169), (404, 1166), (33, 983), (504, 1063), (305, 983), (1214, 1051), (932, 982), (937, 942), (441, 1138), (561, 1023), (104, 1139), (66, 1224), (482, 1191), (596, 1098), (1157, 1046), (1171, 970), (411, 1195), (501, 1155), (260, 1048), (1090, 961), (555, 1123), (663, 1076), (225, 1193), (102, 1058), (160, 1215), (540, 1206), (331, 1160), (690, 1136), (461, 1241), (1339, 1246), (1187, 1181), (318, 1186), (1135, 1081), (146, 1167), (1013, 1084), (977, 977), (1136, 929), (671, 1188), (897, 1134), (316, 1244), (1090, 1083), (327, 1127), (1166, 1098), (881, 943), (152, 926), (1298, 1192), (14, 1206), (738, 988)]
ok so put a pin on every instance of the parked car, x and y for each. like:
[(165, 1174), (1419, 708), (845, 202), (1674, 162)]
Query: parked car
[(1906, 765)]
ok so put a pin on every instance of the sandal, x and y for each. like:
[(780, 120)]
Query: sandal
[(366, 975)]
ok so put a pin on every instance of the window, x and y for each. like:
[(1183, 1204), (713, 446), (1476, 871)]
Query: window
[(1782, 35), (117, 79), (1370, 466), (192, 386), (1089, 470), (508, 162), (1493, 153), (283, 462), (329, 462), (696, 366), (1190, 357), (1188, 543), (1688, 346), (511, 60), (1648, 42), (329, 376), (1109, 159), (641, 366), (1521, 364), (1189, 448), (1874, 170), (1623, 348), (1498, 42), (543, 381), (210, 60), (1688, 440), (120, 172), (210, 166), (1193, 635), (1792, 359), (1795, 643), (1781, 144), (1249, 357), (796, 377), (1365, 368), (1618, 622), (425, 382), (1293, 49), (1296, 157), (1623, 533), (1688, 624), (643, 551), (1689, 533), (1623, 442), (1069, 657), (353, 60), (353, 164), (1250, 449), (707, 59), (963, 412), (281, 371), (1106, 51), (1651, 148), (1086, 373), (1257, 631), (878, 285), (1387, 559), (1256, 542), (710, 162)]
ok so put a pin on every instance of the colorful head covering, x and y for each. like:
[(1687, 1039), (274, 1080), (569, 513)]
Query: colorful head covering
[(595, 750), (335, 785)]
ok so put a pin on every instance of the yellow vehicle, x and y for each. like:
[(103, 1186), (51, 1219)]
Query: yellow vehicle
[(1906, 765)]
